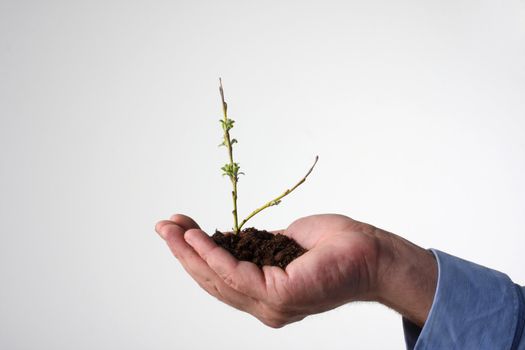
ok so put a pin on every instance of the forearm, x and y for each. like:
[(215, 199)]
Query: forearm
[(406, 277)]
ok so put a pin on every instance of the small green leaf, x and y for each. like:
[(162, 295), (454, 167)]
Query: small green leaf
[(233, 141), (235, 168), (228, 124), (230, 170)]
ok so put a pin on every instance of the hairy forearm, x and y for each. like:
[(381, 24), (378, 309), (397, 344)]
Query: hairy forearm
[(407, 277)]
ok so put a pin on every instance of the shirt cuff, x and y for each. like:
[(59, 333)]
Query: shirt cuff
[(474, 307)]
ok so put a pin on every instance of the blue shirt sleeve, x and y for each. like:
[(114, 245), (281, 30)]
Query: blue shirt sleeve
[(474, 307)]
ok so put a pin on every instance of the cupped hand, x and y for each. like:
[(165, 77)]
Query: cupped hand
[(341, 265)]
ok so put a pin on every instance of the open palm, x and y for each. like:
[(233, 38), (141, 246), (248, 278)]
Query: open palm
[(340, 266)]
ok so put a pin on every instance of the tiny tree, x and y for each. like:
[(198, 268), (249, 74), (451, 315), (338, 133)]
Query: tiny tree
[(231, 169)]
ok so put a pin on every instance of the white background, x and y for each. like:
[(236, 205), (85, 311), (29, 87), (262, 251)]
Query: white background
[(109, 122)]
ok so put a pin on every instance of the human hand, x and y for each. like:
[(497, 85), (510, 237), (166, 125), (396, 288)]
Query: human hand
[(340, 266), (346, 260)]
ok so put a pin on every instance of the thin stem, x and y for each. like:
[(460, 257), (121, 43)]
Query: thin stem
[(277, 200), (233, 177)]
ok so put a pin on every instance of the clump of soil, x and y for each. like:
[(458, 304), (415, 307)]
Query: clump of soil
[(260, 247)]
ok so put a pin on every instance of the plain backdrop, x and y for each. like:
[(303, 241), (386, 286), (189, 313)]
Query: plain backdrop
[(109, 123)]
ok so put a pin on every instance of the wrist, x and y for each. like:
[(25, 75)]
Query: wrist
[(406, 277)]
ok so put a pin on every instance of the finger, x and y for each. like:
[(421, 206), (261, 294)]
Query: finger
[(242, 276), (217, 288), (184, 221), (159, 225), (173, 234), (305, 237), (208, 280), (199, 270), (314, 272)]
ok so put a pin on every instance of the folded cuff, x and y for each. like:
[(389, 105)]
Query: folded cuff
[(474, 307)]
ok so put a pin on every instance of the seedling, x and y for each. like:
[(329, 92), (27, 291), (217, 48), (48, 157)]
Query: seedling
[(231, 169)]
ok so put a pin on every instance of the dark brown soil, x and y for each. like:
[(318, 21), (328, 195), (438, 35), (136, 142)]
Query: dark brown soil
[(260, 247)]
